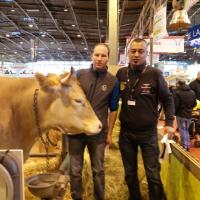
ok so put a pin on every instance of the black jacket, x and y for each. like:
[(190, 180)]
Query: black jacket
[(148, 92), (195, 86), (185, 100)]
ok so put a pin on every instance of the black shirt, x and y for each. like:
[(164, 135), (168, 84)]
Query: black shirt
[(145, 88)]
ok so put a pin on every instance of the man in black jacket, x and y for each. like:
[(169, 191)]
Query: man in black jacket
[(195, 85), (185, 100), (142, 87)]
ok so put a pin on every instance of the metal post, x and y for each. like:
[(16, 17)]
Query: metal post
[(151, 32), (113, 31)]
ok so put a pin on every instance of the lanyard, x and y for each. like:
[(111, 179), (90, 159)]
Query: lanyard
[(132, 89)]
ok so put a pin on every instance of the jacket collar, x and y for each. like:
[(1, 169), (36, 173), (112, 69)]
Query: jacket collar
[(139, 68), (98, 71)]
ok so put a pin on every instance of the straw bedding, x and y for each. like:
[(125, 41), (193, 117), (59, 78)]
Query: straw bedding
[(115, 187)]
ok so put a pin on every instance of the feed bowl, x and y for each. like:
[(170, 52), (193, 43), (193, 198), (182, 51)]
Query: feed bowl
[(43, 185)]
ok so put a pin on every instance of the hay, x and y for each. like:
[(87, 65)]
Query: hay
[(115, 186)]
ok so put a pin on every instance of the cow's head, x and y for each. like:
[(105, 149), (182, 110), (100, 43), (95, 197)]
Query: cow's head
[(68, 108)]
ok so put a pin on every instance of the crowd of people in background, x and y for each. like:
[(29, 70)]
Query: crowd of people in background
[(185, 101), (186, 95)]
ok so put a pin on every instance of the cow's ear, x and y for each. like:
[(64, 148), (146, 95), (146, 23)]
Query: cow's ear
[(47, 83)]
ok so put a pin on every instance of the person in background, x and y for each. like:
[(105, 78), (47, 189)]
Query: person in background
[(142, 87), (195, 86), (102, 90), (185, 100)]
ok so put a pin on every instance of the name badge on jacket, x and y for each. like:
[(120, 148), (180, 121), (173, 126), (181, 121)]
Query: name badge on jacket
[(131, 102)]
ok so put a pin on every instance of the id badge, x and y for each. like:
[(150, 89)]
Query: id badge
[(131, 102)]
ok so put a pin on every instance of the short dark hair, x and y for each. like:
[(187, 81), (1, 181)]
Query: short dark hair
[(103, 44), (137, 40), (181, 82)]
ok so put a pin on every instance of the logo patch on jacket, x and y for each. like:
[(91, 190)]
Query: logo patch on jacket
[(104, 87), (122, 86), (146, 88)]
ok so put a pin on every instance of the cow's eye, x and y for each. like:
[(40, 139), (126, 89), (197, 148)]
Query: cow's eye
[(78, 101)]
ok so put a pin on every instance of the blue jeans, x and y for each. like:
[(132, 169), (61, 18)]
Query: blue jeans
[(183, 125), (128, 144), (96, 152)]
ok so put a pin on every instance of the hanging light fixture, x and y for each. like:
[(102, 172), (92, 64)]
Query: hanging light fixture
[(180, 17)]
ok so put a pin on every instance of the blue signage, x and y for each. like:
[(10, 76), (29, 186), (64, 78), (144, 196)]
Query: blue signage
[(194, 32), (194, 36)]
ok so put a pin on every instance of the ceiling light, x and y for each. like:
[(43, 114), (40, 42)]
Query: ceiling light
[(15, 52), (52, 30), (21, 42), (73, 25), (32, 10), (13, 10), (65, 10), (16, 33), (29, 19), (30, 25), (78, 36), (7, 35), (85, 48)]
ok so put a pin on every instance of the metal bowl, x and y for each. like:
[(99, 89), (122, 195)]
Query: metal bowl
[(43, 185)]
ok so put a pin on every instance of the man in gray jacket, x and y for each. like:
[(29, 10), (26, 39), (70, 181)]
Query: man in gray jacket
[(102, 90)]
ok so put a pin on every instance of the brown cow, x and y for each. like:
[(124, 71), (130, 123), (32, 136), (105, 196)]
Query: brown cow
[(60, 103)]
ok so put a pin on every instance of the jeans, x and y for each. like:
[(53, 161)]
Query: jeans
[(96, 152), (183, 125), (128, 144)]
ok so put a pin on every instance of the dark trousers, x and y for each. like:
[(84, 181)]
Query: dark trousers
[(128, 143), (183, 125), (96, 153)]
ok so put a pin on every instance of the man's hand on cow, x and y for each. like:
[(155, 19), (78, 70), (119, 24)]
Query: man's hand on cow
[(169, 131)]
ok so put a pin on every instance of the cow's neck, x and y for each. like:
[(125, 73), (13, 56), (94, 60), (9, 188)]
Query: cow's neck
[(28, 125)]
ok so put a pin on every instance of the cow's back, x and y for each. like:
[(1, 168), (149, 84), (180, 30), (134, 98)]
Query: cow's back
[(9, 85), (14, 94)]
